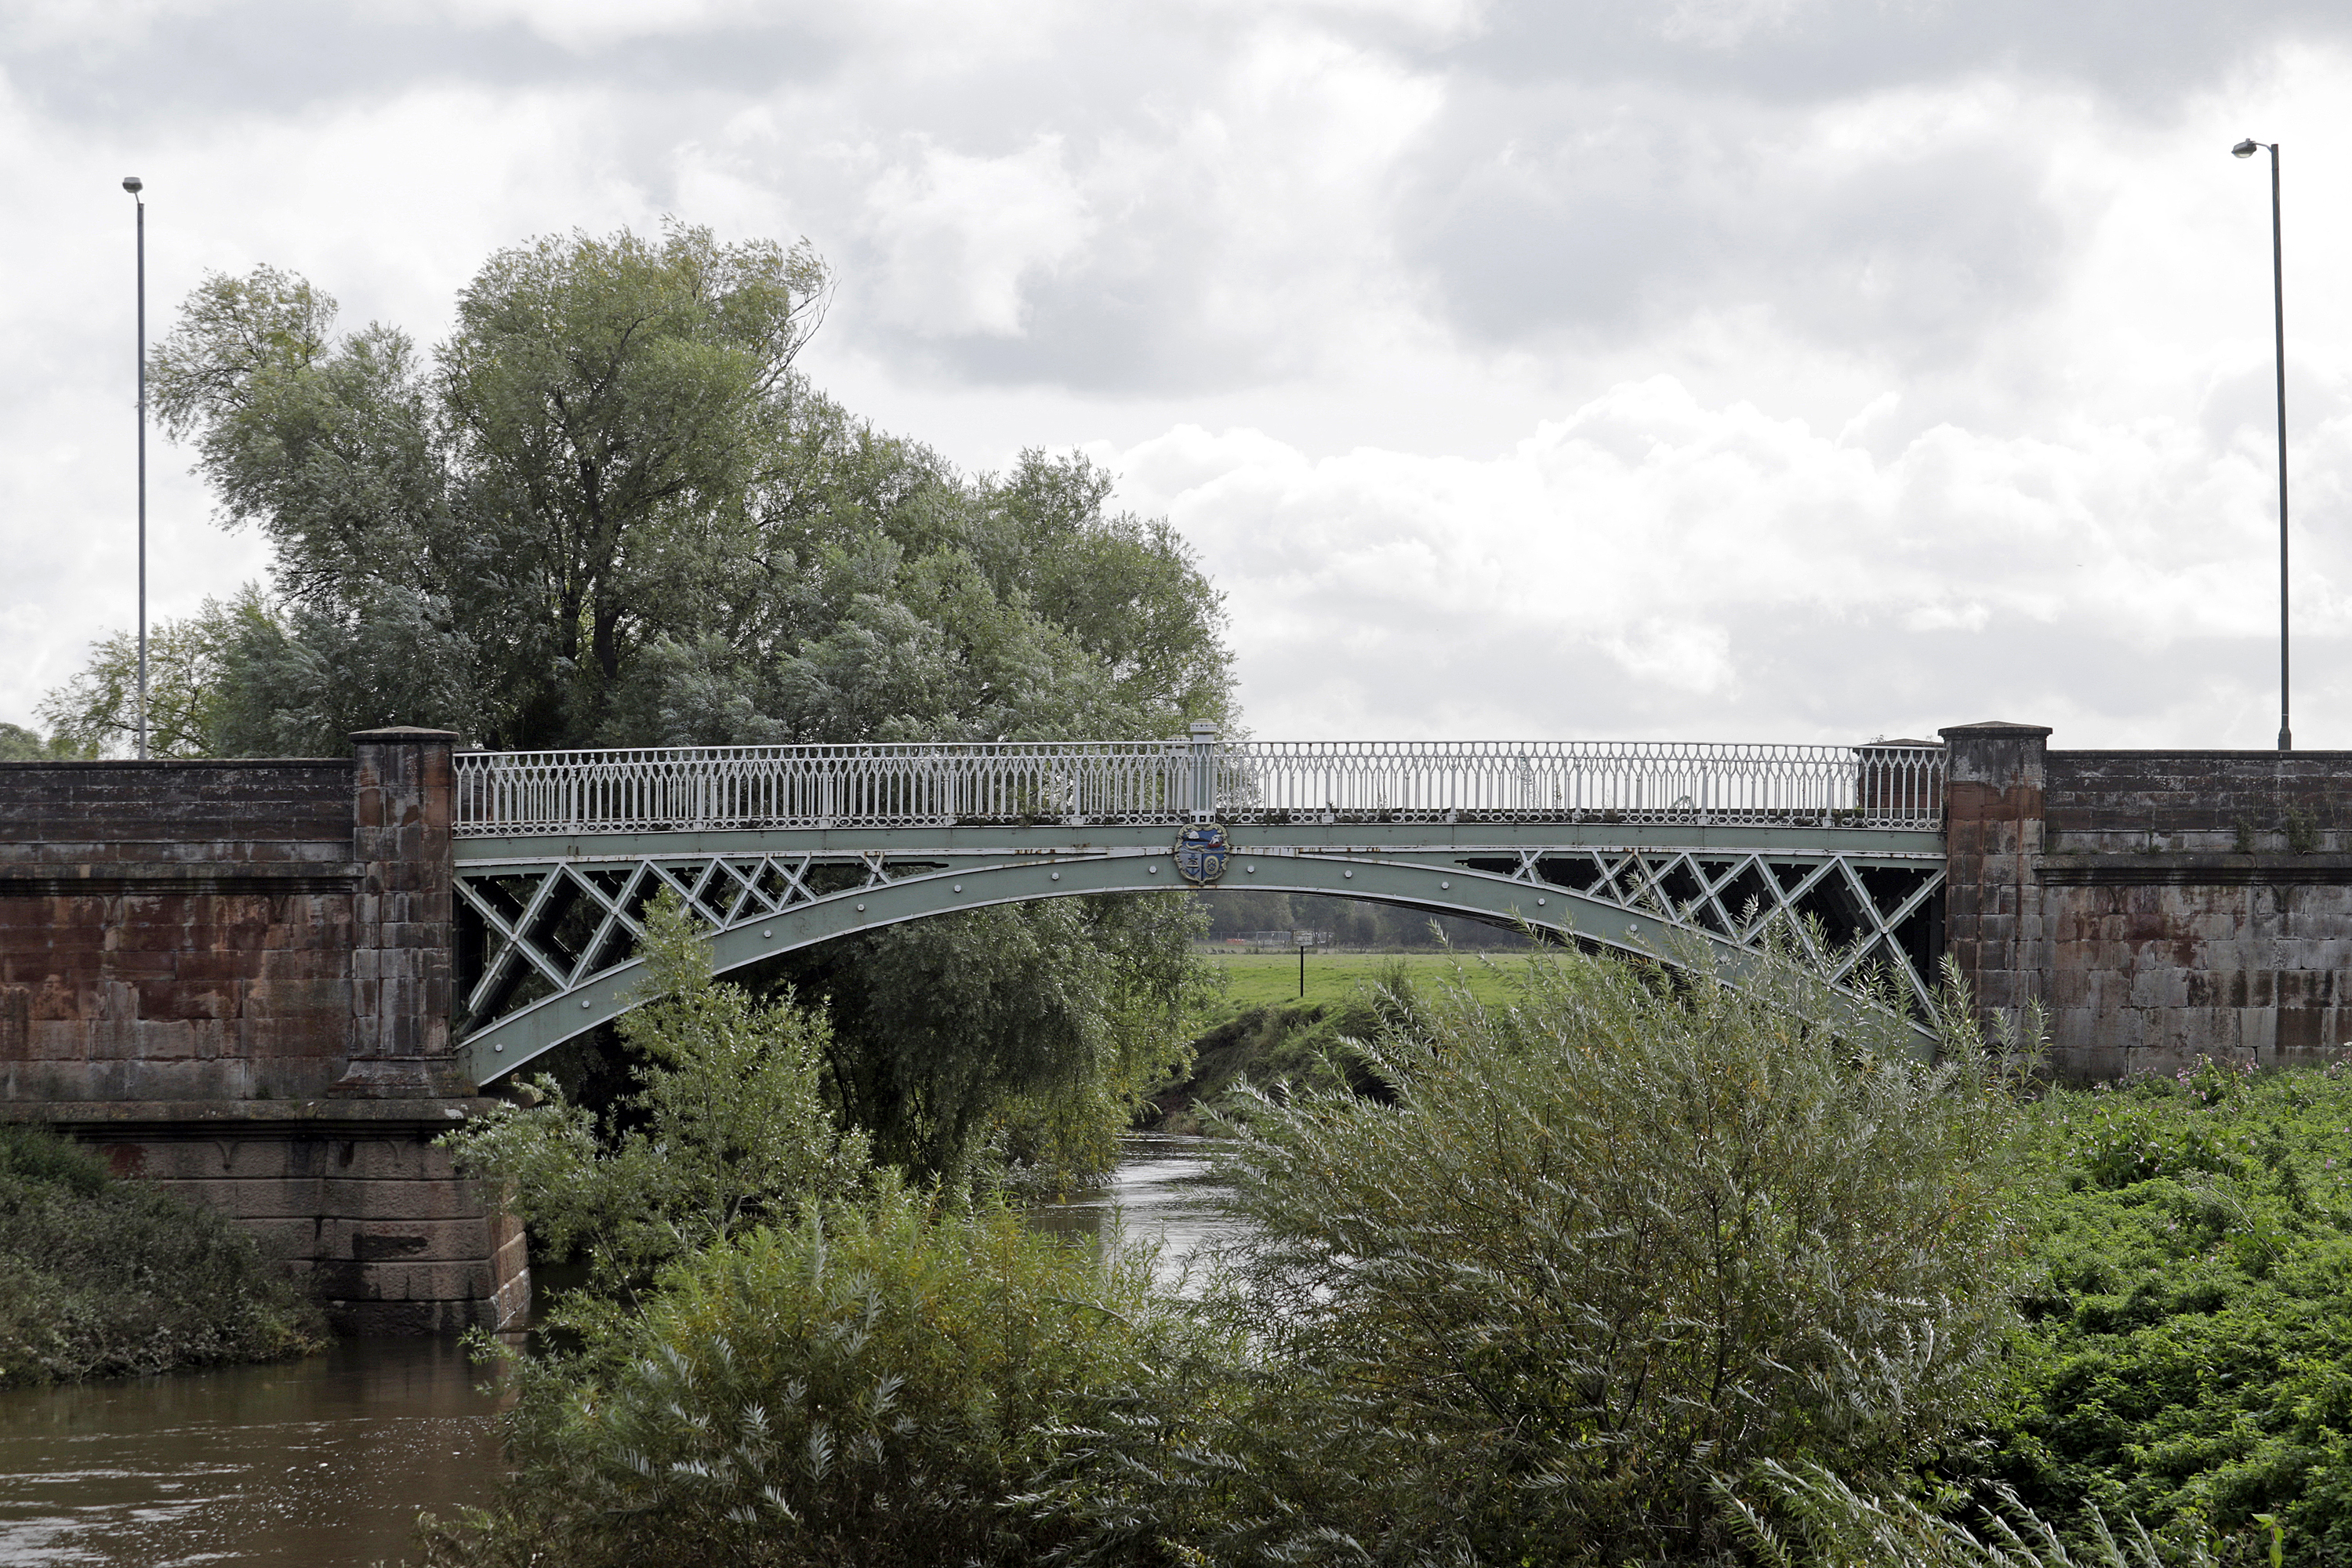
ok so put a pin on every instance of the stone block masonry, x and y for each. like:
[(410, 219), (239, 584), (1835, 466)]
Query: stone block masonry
[(350, 1194), (2159, 905), (234, 976)]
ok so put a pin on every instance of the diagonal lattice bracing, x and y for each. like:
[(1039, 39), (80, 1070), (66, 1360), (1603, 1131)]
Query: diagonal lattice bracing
[(556, 928), (1825, 903)]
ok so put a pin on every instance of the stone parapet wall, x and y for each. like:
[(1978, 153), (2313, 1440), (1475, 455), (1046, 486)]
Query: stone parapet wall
[(224, 813), (2159, 906), (2193, 802), (174, 930)]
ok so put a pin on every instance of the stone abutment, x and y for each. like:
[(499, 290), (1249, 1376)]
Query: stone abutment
[(234, 978)]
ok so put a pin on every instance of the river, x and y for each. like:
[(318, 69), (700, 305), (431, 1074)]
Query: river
[(324, 1463)]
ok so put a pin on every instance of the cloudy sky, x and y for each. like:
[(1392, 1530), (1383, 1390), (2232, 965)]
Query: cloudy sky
[(1703, 369)]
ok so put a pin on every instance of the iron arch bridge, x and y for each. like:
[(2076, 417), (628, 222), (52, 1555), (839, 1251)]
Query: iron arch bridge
[(779, 847)]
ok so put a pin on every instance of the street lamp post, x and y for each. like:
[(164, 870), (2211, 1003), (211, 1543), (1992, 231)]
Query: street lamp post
[(2247, 149), (132, 184)]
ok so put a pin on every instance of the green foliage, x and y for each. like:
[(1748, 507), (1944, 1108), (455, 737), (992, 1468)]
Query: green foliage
[(2189, 1308), (727, 1126), (1803, 1516), (193, 696), (100, 1277), (1035, 1031), (1637, 1230), (1274, 1050), (19, 744), (606, 511), (872, 1384)]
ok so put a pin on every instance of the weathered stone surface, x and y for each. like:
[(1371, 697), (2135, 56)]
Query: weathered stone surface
[(193, 955), (404, 794), (175, 930), (352, 1196), (2161, 905)]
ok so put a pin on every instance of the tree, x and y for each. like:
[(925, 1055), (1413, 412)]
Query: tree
[(248, 679), (608, 513), (1036, 1031), (606, 405), (19, 744), (579, 451), (190, 694)]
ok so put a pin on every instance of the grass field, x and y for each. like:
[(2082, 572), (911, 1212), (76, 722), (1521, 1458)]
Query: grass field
[(1255, 979)]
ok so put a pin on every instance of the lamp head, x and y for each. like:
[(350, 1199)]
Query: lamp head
[(133, 183), (2245, 149)]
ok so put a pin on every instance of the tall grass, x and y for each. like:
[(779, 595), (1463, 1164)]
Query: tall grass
[(869, 1384)]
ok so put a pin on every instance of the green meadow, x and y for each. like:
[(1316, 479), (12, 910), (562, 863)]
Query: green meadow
[(1262, 979)]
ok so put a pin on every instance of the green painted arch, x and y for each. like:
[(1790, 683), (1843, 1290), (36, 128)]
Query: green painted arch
[(1440, 887)]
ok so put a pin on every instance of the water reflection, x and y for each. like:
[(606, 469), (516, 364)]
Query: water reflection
[(319, 1463), (1162, 1191), (324, 1463)]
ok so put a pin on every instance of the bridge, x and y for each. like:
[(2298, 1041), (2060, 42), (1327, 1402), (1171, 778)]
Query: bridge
[(557, 854), (269, 984)]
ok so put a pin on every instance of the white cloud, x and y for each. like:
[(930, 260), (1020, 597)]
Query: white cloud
[(960, 239), (1741, 367), (1657, 567)]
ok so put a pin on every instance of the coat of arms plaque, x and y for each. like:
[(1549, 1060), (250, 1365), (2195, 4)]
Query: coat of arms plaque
[(1200, 854)]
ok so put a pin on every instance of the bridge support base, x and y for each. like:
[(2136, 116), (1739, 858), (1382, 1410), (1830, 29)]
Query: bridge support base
[(351, 1195)]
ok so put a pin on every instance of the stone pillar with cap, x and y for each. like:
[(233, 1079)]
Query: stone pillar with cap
[(403, 808), (1993, 827)]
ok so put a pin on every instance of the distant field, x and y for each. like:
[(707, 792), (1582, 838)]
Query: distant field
[(1255, 979)]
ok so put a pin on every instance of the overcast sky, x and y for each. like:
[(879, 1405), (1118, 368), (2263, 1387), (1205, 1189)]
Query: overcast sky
[(1697, 369)]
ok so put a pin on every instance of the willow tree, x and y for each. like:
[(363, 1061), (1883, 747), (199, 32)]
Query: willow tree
[(608, 511), (577, 456)]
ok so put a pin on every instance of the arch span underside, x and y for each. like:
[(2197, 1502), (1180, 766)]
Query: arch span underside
[(547, 928)]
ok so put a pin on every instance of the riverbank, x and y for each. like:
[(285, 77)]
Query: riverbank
[(324, 1462), (1261, 1031), (101, 1277)]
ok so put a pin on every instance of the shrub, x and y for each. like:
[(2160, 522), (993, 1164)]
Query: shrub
[(1278, 1046), (2188, 1347), (1802, 1514), (1638, 1230), (99, 1276), (869, 1385), (727, 1126)]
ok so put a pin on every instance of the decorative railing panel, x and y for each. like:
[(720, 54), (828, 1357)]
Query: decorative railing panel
[(1580, 780), (515, 794)]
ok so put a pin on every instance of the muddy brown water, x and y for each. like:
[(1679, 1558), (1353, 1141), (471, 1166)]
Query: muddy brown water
[(317, 1462), (324, 1463)]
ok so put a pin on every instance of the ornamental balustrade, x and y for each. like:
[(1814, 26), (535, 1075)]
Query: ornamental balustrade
[(1201, 778)]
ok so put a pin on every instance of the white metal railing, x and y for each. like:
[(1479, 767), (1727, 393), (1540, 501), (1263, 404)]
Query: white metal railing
[(514, 794)]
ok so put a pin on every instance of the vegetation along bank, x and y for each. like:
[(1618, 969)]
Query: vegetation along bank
[(100, 1276), (1619, 1267)]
